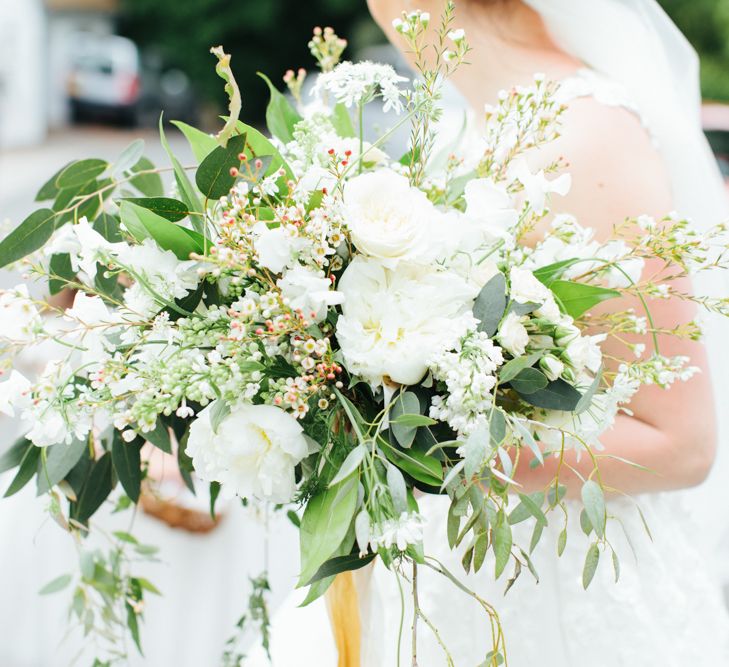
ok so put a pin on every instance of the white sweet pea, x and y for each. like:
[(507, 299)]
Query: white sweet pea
[(20, 320), (525, 288), (512, 335), (538, 186), (253, 453), (310, 291), (391, 220), (14, 393), (275, 246), (394, 321), (89, 310), (491, 205)]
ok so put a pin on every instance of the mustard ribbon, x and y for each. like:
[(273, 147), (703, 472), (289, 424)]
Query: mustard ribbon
[(344, 616)]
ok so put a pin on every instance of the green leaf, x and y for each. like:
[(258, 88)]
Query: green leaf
[(548, 274), (350, 464), (497, 427), (49, 190), (325, 524), (127, 463), (214, 493), (95, 490), (419, 466), (201, 143), (490, 304), (187, 191), (316, 590), (413, 420), (129, 157), (591, 561), (108, 226), (578, 298), (218, 412), (258, 145), (586, 400), (616, 565), (527, 437), (170, 209), (60, 460), (58, 584), (502, 541), (184, 463), (562, 542), (213, 177), (28, 236), (342, 121), (534, 507), (281, 117), (12, 457), (557, 395), (231, 88), (149, 184), (142, 223), (80, 173), (407, 403), (594, 501), (133, 625), (585, 523), (159, 437), (341, 564), (529, 381), (27, 467), (60, 267), (512, 368)]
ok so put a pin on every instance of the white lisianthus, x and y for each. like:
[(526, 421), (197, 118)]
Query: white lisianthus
[(21, 321), (525, 288), (253, 453), (394, 321), (491, 205), (584, 352), (549, 310), (309, 291), (512, 335), (14, 393), (391, 220), (552, 367)]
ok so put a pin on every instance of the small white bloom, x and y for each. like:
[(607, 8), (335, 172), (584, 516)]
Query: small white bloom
[(88, 310), (457, 36), (525, 288), (489, 203), (14, 393), (275, 246), (584, 352), (253, 453), (512, 335), (538, 186), (552, 367), (309, 291), (21, 321)]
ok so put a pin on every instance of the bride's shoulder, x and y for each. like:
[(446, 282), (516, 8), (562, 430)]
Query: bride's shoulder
[(617, 170)]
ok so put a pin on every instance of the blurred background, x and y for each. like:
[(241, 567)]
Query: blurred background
[(82, 78)]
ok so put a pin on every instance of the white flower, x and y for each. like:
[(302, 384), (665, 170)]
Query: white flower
[(389, 219), (552, 367), (19, 317), (253, 453), (537, 186), (393, 322), (309, 291), (457, 36), (14, 393), (89, 310), (584, 352), (512, 335), (275, 246), (525, 288), (491, 205), (407, 529)]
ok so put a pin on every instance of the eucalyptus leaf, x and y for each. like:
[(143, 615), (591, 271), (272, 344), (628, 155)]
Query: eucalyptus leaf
[(60, 460), (557, 395), (28, 236), (148, 183), (419, 466), (586, 400), (591, 561), (407, 403), (218, 412), (513, 367), (594, 501), (127, 464), (49, 190), (350, 464), (490, 304), (170, 209), (527, 437), (58, 584), (213, 177), (129, 157), (398, 488), (341, 564), (529, 381), (502, 541), (80, 173), (159, 436), (187, 191), (61, 272)]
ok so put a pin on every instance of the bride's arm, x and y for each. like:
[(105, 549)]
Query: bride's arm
[(617, 173)]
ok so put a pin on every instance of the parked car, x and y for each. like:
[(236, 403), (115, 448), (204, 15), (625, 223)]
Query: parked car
[(105, 79), (715, 119)]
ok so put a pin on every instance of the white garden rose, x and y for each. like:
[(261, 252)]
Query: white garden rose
[(253, 453), (20, 318), (525, 288), (391, 220), (512, 335), (394, 321), (309, 291)]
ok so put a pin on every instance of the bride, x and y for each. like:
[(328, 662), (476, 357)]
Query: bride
[(632, 139)]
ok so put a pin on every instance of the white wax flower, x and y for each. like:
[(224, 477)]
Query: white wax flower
[(14, 393), (525, 288), (310, 291), (253, 453), (20, 318), (512, 335), (394, 321), (391, 220)]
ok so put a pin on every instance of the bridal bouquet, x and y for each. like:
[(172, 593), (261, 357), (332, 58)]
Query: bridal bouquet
[(309, 322)]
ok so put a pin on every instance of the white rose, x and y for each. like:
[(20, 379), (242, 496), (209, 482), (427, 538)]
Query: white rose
[(253, 453), (549, 310), (310, 291), (512, 335), (393, 322), (584, 352), (20, 318), (14, 393), (391, 220), (525, 288)]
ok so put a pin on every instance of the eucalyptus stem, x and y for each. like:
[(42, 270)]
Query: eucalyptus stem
[(416, 613)]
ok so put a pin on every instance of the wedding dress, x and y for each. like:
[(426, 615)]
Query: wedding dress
[(667, 608)]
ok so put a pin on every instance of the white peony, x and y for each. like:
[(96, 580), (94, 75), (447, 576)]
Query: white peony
[(310, 291), (512, 335), (21, 321), (525, 288), (394, 321), (14, 393), (253, 453), (391, 220)]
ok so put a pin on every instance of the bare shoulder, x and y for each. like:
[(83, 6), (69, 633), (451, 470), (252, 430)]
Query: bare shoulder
[(616, 170)]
